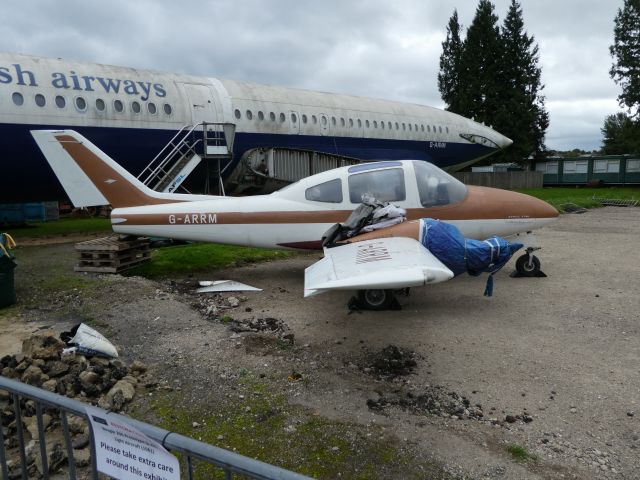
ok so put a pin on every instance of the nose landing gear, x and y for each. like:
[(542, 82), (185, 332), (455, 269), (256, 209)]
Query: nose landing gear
[(528, 265)]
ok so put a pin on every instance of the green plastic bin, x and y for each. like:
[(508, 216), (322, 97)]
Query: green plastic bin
[(7, 266)]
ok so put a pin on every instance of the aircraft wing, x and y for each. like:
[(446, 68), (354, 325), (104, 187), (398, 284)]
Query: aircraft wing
[(393, 262)]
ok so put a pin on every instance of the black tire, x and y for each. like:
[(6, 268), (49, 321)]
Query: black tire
[(525, 269), (375, 299)]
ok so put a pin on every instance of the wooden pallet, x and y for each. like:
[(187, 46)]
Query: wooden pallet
[(112, 254)]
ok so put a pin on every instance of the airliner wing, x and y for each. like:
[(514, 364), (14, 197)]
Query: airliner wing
[(393, 262)]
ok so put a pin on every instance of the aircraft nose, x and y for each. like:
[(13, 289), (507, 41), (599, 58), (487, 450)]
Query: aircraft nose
[(502, 141)]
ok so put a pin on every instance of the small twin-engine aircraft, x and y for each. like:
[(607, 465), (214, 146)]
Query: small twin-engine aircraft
[(389, 255)]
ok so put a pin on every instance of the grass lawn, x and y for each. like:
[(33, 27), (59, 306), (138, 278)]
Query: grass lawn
[(581, 196), (64, 226)]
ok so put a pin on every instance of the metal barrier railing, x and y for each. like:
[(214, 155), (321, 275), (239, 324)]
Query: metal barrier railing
[(228, 462)]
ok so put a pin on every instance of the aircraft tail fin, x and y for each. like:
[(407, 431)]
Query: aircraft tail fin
[(90, 177)]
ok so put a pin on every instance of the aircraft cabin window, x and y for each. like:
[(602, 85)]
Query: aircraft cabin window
[(167, 109), (324, 120), (328, 192), (397, 126), (260, 115), (428, 129), (422, 127), (304, 118), (314, 119), (249, 114), (151, 107), (404, 126), (40, 100), (272, 116), (359, 123), (118, 106), (440, 129), (60, 101), (382, 125), (135, 107), (384, 185), (351, 122), (100, 105), (366, 122), (17, 98), (409, 127), (342, 122), (447, 129), (389, 125), (437, 188), (333, 121), (434, 129), (282, 118), (375, 124), (81, 104), (237, 114), (294, 118)]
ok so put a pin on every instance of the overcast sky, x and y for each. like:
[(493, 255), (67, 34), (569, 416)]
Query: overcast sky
[(370, 48)]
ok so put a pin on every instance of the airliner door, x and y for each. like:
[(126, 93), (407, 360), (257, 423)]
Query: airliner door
[(294, 122), (324, 124), (201, 103)]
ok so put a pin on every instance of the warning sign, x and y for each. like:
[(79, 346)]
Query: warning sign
[(124, 452)]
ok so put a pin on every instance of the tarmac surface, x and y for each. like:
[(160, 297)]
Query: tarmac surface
[(559, 355)]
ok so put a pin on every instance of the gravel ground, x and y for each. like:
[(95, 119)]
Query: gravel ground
[(548, 364)]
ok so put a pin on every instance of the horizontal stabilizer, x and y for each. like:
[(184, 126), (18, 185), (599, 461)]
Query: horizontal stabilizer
[(393, 262)]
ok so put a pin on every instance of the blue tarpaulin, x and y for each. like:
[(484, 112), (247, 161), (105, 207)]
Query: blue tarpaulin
[(462, 254)]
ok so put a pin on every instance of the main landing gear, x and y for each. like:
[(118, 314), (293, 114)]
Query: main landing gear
[(528, 265), (376, 299)]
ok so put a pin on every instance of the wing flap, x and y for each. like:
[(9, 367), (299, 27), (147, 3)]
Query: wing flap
[(394, 262)]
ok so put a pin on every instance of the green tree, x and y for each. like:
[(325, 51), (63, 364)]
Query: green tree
[(626, 53), (621, 134), (481, 66), (521, 114), (450, 74)]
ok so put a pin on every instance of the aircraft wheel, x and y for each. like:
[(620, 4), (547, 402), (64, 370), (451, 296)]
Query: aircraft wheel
[(526, 268), (375, 299)]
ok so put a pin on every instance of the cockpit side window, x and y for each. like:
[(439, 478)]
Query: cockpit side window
[(437, 188), (384, 185), (328, 192)]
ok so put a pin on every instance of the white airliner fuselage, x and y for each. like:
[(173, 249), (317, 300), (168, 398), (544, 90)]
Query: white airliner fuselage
[(131, 114)]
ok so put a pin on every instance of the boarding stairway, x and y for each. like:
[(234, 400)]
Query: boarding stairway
[(212, 142)]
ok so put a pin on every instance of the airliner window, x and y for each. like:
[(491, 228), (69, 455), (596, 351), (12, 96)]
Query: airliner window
[(282, 118), (304, 118), (118, 106), (152, 108), (440, 129), (422, 127), (428, 129), (333, 121), (382, 125), (40, 100), (385, 185), (17, 98), (416, 126), (389, 125), (324, 120), (437, 188), (328, 192), (81, 104), (314, 119), (237, 114), (272, 116), (397, 126), (100, 105), (342, 123), (294, 118), (167, 109), (60, 101), (447, 128), (135, 106), (409, 127), (359, 123), (249, 114), (375, 124), (260, 115), (434, 129), (366, 122), (351, 122)]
